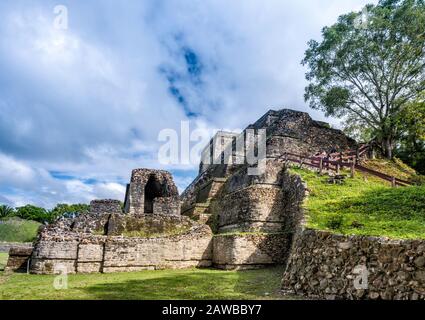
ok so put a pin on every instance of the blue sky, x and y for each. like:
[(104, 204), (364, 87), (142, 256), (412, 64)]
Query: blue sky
[(81, 107)]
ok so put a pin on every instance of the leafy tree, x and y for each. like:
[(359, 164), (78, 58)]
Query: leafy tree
[(411, 148), (30, 212), (6, 211), (62, 209), (369, 71)]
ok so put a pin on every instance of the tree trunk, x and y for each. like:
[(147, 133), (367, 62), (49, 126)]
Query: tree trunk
[(387, 147)]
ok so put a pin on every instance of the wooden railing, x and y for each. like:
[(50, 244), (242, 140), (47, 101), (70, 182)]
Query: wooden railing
[(337, 161)]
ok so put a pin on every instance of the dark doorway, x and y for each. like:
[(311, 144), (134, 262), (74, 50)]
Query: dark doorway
[(153, 189)]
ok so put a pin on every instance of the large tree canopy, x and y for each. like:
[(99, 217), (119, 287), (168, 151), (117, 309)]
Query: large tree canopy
[(411, 147), (369, 66)]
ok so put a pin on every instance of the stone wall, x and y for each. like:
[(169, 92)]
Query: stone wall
[(296, 132), (167, 205), (147, 225), (5, 246), (256, 208), (89, 223), (18, 259), (124, 243), (193, 249), (248, 251), (218, 150), (330, 266), (105, 206), (135, 202), (266, 202)]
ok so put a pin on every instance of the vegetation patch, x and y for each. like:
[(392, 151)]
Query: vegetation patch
[(3, 260), (147, 233), (395, 168), (160, 284), (15, 229), (364, 205)]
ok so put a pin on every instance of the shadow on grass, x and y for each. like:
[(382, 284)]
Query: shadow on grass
[(196, 284)]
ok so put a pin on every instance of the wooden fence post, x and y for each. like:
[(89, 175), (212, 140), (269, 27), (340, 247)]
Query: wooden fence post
[(320, 165), (357, 155), (353, 169), (337, 168), (393, 182)]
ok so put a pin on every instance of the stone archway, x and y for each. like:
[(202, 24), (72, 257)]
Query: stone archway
[(153, 189)]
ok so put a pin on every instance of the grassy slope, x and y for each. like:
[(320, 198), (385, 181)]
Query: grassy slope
[(163, 284), (394, 168), (18, 230), (3, 260), (364, 206)]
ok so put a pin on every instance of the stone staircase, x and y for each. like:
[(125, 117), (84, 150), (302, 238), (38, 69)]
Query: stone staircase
[(200, 209)]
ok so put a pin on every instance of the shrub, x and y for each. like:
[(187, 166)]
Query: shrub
[(67, 210), (6, 211), (30, 212)]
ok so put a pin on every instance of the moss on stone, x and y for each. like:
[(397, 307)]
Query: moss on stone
[(146, 233)]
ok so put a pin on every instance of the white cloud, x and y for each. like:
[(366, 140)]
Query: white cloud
[(90, 101), (14, 172)]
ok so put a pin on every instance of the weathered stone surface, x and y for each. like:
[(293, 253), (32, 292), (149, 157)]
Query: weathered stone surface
[(5, 246), (192, 248), (52, 266), (18, 259), (256, 208), (236, 251), (166, 205), (93, 222), (146, 189), (148, 225), (394, 269), (89, 267), (105, 206), (57, 250), (272, 206), (90, 252), (132, 242), (20, 251)]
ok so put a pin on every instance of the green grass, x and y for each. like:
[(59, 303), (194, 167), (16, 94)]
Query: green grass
[(395, 168), (18, 230), (146, 233), (3, 260), (160, 284), (364, 205)]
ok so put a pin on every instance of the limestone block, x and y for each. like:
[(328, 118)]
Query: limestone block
[(89, 267), (90, 252), (250, 249), (56, 250), (52, 266), (262, 205), (107, 269)]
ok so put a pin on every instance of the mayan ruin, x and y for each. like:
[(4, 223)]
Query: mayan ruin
[(225, 219), (212, 159)]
